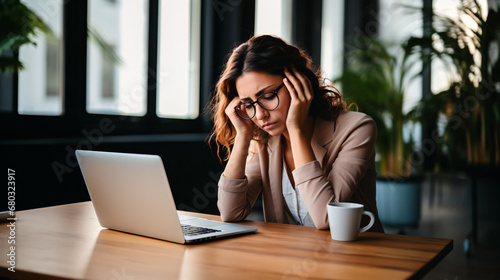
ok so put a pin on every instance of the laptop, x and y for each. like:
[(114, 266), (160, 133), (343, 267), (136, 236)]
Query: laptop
[(131, 193)]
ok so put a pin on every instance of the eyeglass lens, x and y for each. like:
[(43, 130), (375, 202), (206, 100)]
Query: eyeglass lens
[(268, 101)]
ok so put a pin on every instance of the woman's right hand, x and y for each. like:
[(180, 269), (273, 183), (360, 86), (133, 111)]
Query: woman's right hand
[(235, 167), (243, 127)]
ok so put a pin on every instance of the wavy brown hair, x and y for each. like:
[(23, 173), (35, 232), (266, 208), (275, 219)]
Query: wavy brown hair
[(271, 55)]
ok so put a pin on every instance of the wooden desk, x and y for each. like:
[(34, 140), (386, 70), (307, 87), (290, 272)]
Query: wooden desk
[(66, 242)]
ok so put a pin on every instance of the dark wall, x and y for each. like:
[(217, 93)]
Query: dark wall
[(47, 173), (41, 148)]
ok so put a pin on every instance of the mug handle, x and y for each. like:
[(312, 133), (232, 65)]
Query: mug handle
[(370, 224)]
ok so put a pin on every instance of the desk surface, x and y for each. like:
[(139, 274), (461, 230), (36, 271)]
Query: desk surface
[(66, 241)]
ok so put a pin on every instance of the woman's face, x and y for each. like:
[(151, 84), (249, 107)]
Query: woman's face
[(250, 86)]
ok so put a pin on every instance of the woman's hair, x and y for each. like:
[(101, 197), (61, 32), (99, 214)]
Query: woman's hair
[(271, 55)]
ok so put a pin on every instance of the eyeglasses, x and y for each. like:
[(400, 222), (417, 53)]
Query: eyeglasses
[(268, 101)]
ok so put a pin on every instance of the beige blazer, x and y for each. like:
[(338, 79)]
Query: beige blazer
[(344, 170)]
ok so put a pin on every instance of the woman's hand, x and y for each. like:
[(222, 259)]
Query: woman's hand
[(243, 127), (301, 93), (235, 168)]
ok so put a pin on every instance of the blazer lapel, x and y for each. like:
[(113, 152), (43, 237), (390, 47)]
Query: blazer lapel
[(322, 135), (275, 174), (319, 151)]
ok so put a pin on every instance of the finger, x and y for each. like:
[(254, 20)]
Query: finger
[(295, 84), (232, 104), (230, 109), (234, 118), (305, 82), (290, 88), (293, 80), (302, 84)]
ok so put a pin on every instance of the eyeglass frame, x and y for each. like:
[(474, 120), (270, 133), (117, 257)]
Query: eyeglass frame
[(274, 92)]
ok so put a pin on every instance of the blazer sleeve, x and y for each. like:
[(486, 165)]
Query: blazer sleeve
[(348, 169), (236, 197)]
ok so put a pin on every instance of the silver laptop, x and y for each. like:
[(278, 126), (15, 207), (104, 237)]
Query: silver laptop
[(131, 193)]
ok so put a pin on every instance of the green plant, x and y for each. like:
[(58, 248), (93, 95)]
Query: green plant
[(18, 26), (469, 109), (376, 81)]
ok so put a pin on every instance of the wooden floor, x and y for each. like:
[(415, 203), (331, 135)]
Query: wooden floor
[(446, 213)]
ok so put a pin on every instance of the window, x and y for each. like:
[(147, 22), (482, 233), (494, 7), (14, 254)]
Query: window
[(178, 72), (274, 18), (332, 38), (108, 76), (395, 26), (40, 90), (117, 57), (442, 74), (137, 62)]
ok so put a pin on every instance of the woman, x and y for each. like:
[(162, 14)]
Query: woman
[(290, 137)]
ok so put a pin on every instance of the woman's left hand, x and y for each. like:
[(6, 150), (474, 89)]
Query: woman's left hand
[(301, 93)]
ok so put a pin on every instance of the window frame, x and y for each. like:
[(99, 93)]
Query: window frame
[(74, 118)]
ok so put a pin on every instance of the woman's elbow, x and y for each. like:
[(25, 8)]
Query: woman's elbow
[(323, 226), (231, 217)]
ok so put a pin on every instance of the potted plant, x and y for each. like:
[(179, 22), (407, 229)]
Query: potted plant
[(376, 80), (469, 109), (18, 25)]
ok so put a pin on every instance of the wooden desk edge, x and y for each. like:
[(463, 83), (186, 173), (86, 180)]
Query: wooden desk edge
[(417, 275), (435, 261)]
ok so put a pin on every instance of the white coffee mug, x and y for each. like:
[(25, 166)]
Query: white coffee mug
[(345, 220)]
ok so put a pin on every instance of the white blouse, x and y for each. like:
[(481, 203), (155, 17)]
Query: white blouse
[(294, 201)]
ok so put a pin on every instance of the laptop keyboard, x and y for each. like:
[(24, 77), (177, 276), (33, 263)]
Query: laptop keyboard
[(189, 230)]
